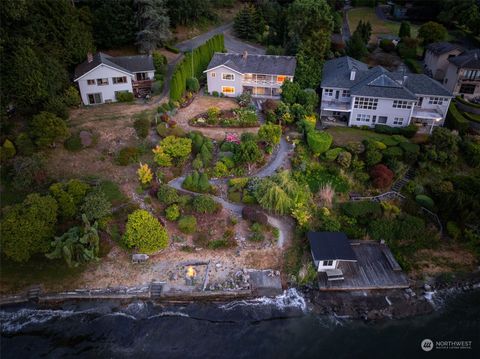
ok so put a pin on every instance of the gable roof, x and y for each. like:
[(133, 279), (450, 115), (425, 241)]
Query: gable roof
[(378, 81), (129, 64), (468, 59), (440, 48), (330, 246), (255, 64)]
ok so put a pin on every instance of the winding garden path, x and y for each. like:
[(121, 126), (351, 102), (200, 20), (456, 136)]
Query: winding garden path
[(278, 158)]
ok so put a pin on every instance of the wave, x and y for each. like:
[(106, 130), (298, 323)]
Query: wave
[(169, 314), (290, 298)]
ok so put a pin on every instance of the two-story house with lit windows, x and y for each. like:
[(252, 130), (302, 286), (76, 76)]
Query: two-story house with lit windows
[(355, 95), (101, 77), (262, 75)]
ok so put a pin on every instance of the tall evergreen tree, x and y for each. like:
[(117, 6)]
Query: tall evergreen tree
[(404, 30), (153, 24), (356, 46)]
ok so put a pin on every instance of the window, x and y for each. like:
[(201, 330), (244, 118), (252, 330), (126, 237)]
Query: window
[(467, 88), (436, 100), (366, 103), (141, 76), (119, 80), (361, 117), (346, 93), (327, 263), (398, 121), (213, 74), (419, 101), (228, 77), (401, 104), (280, 79), (328, 92), (382, 119), (471, 75), (90, 82), (94, 98), (228, 90), (102, 82)]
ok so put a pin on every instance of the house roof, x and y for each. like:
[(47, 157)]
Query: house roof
[(130, 64), (468, 59), (440, 48), (330, 246), (255, 64), (378, 81)]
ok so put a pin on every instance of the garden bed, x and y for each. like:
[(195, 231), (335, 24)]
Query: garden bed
[(214, 117)]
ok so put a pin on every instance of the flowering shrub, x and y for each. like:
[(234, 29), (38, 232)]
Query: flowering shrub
[(232, 137)]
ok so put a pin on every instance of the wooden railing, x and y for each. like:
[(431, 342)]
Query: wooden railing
[(142, 83)]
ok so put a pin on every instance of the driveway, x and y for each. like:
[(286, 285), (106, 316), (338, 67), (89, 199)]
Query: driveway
[(189, 45)]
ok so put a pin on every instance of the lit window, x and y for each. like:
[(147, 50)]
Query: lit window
[(228, 77), (401, 104), (90, 82), (361, 117), (102, 82), (228, 90), (366, 103), (280, 79), (119, 80), (398, 121)]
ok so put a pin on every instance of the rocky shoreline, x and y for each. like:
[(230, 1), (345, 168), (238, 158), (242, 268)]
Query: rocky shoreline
[(421, 299)]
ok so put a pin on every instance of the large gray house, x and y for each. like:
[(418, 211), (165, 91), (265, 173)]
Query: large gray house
[(261, 75), (356, 95)]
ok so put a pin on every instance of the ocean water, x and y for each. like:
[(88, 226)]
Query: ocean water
[(282, 327)]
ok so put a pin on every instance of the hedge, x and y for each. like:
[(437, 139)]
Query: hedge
[(472, 117), (172, 49), (331, 155), (124, 96), (408, 131), (425, 201), (201, 58), (467, 103), (414, 65), (393, 152), (456, 120)]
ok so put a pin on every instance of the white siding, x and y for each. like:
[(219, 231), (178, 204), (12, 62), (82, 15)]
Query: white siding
[(322, 268), (384, 108), (215, 82), (107, 91)]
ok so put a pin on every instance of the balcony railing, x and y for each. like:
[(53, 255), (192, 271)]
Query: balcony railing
[(263, 83), (430, 114), (142, 83), (336, 106)]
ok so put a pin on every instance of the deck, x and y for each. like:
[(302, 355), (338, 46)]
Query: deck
[(376, 269)]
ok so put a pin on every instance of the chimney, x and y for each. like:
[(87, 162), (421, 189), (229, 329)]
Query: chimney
[(405, 77), (245, 55), (353, 72), (89, 57)]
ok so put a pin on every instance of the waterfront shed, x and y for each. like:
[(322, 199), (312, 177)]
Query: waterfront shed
[(329, 249)]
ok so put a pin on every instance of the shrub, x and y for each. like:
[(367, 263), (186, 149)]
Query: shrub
[(124, 96), (387, 129), (319, 142), (144, 174), (47, 129), (381, 176), (96, 205), (142, 126), (253, 215), (144, 232), (456, 120), (215, 94), (372, 157), (355, 147), (71, 97), (56, 106), (172, 49), (409, 131), (73, 143), (162, 130), (220, 170), (167, 195), (387, 45), (362, 209), (244, 99), (414, 66), (172, 213), (234, 196), (187, 224), (127, 155), (204, 204), (193, 84), (344, 159), (25, 145), (8, 150), (393, 152), (411, 151), (332, 154), (453, 230), (425, 201), (66, 204)]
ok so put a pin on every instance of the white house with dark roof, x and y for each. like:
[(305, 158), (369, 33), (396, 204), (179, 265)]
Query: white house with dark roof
[(261, 75), (357, 95), (101, 77)]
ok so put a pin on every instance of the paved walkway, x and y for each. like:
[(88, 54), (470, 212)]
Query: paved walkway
[(280, 155)]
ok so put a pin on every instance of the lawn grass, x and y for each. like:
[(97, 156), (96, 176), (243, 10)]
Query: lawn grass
[(344, 135), (378, 26), (113, 192)]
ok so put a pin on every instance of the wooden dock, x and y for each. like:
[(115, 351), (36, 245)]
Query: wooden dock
[(376, 269)]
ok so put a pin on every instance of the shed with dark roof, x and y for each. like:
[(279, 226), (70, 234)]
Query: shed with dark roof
[(330, 248)]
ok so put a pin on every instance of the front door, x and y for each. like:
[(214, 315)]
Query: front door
[(94, 98), (337, 94)]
